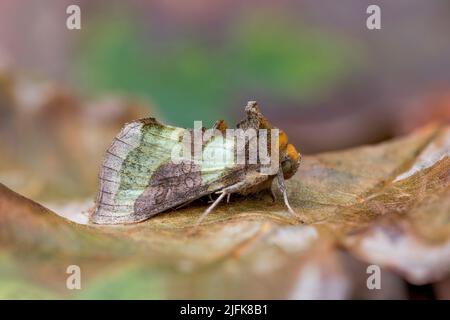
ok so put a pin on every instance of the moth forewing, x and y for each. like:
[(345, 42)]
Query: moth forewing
[(142, 179)]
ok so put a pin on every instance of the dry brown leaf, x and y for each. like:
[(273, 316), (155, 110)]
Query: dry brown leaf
[(386, 204)]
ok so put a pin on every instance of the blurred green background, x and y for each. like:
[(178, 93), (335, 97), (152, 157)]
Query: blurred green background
[(192, 77), (315, 68)]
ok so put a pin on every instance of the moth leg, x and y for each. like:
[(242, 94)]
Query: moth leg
[(282, 187), (224, 192), (272, 195), (228, 197), (210, 208)]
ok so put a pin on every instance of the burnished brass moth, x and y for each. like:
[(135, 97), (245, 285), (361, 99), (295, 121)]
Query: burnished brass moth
[(141, 177)]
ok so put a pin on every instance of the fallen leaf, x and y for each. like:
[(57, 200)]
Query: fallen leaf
[(386, 204)]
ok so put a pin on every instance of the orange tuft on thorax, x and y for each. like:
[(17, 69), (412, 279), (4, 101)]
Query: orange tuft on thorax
[(292, 152), (283, 140)]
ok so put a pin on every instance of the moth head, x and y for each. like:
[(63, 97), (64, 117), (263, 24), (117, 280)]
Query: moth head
[(289, 156)]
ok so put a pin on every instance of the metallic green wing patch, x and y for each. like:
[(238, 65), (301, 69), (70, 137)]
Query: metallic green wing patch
[(138, 178)]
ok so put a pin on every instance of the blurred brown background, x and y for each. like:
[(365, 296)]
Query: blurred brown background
[(315, 68)]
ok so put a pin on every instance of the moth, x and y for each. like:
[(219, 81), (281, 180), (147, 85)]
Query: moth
[(140, 178)]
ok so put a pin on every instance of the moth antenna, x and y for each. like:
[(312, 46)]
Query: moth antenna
[(283, 190), (184, 204), (286, 202), (210, 208)]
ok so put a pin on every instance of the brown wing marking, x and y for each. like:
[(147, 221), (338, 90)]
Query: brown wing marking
[(170, 185)]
